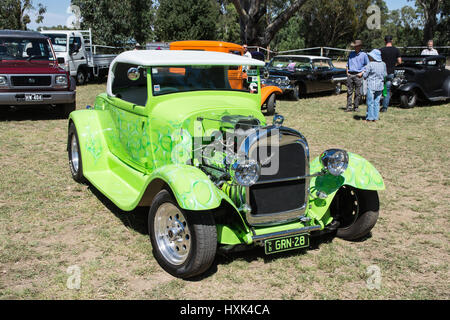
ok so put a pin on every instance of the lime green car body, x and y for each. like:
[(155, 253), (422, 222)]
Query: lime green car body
[(131, 152)]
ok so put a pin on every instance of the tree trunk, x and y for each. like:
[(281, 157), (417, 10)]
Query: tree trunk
[(430, 11), (250, 14)]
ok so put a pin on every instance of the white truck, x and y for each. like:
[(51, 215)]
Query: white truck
[(77, 55)]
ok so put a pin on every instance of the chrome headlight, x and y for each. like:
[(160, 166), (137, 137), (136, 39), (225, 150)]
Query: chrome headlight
[(246, 173), (285, 81), (335, 161), (61, 81), (396, 82), (3, 81)]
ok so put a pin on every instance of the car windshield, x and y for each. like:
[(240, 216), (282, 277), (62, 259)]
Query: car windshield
[(322, 64), (59, 42), (194, 78), (290, 63), (25, 49)]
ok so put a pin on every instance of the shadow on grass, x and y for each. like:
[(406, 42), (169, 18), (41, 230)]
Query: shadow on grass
[(136, 219), (36, 113), (253, 253)]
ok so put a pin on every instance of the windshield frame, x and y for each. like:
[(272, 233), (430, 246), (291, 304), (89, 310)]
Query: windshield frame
[(229, 69)]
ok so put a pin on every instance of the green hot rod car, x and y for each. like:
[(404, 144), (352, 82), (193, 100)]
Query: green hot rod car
[(171, 134)]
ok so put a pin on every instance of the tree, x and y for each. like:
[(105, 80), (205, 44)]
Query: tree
[(290, 35), (14, 14), (228, 28), (430, 9), (117, 23), (259, 25), (187, 20), (334, 23)]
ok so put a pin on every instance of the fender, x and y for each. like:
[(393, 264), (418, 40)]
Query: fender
[(410, 87), (266, 91), (360, 174), (191, 187), (90, 125)]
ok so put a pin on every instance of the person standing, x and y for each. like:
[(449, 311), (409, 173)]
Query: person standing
[(429, 51), (246, 52), (391, 57), (357, 60), (375, 72)]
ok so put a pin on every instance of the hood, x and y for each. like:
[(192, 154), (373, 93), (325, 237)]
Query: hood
[(29, 67), (182, 110)]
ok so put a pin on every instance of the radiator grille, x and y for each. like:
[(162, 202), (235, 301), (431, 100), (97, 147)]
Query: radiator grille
[(281, 192), (31, 81)]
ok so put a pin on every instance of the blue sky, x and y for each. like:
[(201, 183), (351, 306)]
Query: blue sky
[(57, 11)]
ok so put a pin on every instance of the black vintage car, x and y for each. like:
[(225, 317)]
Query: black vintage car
[(420, 77), (298, 75)]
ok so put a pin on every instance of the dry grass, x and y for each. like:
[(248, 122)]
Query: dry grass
[(48, 222)]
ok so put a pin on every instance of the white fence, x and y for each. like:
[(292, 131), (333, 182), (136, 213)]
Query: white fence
[(341, 54)]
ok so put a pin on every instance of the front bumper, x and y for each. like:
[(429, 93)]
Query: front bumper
[(48, 97), (283, 87)]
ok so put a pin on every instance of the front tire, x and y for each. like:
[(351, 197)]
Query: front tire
[(271, 105), (408, 100), (184, 242), (81, 77), (356, 211)]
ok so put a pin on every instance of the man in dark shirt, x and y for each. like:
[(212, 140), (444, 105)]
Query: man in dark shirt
[(391, 57)]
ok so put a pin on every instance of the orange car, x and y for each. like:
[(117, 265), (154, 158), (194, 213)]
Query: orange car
[(237, 75)]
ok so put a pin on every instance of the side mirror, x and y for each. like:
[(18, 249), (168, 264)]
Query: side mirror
[(133, 74)]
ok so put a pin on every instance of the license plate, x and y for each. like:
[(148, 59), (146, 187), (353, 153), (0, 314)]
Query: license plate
[(286, 243), (33, 97)]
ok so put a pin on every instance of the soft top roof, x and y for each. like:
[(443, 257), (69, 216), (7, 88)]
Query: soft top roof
[(21, 34), (149, 58)]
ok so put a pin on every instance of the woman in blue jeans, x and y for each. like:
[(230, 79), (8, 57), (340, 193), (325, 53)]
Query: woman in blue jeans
[(375, 73)]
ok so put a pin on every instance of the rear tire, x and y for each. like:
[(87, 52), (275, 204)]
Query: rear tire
[(338, 89), (356, 211), (73, 149), (184, 242), (271, 105), (296, 93)]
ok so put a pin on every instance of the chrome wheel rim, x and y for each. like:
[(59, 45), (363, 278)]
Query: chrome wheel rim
[(172, 234), (74, 156)]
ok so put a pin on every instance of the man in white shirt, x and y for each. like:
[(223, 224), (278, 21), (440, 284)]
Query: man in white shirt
[(246, 52), (430, 51)]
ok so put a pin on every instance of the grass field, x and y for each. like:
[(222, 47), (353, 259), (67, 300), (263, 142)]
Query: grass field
[(49, 223)]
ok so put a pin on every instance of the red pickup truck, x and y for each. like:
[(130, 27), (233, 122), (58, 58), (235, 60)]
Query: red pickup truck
[(30, 74)]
